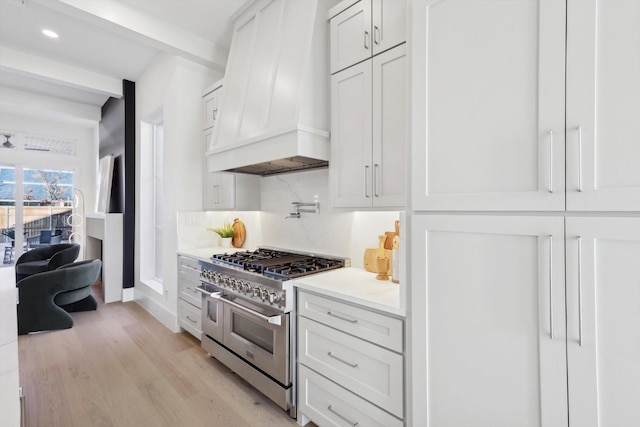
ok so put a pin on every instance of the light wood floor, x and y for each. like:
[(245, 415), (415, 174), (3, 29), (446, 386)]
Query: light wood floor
[(118, 366)]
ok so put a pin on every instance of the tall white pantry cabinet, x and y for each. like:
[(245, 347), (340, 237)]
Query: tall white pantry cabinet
[(524, 213)]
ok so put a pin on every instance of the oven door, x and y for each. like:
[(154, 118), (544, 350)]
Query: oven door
[(212, 308), (260, 337)]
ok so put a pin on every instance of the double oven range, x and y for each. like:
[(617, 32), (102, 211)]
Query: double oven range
[(248, 318)]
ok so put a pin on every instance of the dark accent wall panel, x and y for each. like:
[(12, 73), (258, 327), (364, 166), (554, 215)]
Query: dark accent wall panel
[(118, 138)]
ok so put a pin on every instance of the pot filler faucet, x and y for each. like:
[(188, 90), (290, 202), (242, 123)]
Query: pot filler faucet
[(299, 207)]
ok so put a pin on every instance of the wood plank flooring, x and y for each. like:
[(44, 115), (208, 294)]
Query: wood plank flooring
[(119, 366)]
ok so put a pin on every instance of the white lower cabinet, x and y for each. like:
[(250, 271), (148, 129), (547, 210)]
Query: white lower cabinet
[(527, 324), (495, 345), (328, 404), (349, 370), (603, 321), (189, 300)]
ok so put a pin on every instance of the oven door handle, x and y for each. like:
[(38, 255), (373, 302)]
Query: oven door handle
[(273, 320), (216, 295)]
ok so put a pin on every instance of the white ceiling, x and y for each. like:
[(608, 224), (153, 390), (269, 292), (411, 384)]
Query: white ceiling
[(103, 42)]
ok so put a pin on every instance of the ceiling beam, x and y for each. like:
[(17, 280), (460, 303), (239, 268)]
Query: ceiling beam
[(128, 22), (28, 103), (53, 71)]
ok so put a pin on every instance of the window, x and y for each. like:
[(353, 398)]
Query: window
[(45, 208), (151, 204), (158, 199)]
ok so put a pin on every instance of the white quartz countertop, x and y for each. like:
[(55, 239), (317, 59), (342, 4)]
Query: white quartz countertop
[(357, 286)]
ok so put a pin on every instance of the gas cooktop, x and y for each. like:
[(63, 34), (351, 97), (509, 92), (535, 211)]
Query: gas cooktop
[(280, 264)]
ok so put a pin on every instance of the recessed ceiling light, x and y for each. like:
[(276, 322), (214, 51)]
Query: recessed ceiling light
[(49, 33)]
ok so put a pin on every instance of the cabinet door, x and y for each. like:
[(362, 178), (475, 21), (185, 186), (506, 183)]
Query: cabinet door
[(350, 34), (603, 321), (488, 104), (351, 171), (226, 191), (603, 105), (494, 347), (210, 109), (210, 191), (219, 191), (389, 24), (389, 132)]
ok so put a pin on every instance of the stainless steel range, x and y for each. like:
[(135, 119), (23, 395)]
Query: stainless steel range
[(248, 319)]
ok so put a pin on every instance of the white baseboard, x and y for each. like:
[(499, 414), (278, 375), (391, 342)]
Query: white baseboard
[(166, 317)]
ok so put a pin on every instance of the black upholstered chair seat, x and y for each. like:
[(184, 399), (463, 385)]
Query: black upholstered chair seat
[(45, 259), (47, 298)]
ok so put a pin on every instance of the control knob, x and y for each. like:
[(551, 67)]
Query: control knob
[(273, 297), (264, 294)]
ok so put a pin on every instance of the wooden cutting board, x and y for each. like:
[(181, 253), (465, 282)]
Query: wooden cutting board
[(370, 255)]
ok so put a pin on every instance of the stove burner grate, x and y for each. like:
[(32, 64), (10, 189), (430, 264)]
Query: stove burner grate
[(277, 264)]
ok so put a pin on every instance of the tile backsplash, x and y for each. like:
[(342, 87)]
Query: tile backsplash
[(332, 231)]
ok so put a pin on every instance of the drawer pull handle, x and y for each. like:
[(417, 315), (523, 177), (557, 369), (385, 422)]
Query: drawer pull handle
[(342, 318), (551, 287), (342, 417), (353, 365), (580, 291), (191, 320), (550, 160), (579, 157)]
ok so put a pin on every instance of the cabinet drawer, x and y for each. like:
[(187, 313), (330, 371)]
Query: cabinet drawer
[(326, 403), (187, 291), (370, 371), (189, 264), (377, 328), (189, 317)]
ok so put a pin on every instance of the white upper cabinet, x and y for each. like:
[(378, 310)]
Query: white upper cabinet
[(350, 36), (388, 18), (488, 105), (367, 166), (489, 117), (351, 131), (603, 105), (365, 28), (603, 321), (211, 104), (231, 191), (219, 191), (389, 128)]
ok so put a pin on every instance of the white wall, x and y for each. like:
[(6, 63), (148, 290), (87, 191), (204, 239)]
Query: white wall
[(174, 87), (84, 163)]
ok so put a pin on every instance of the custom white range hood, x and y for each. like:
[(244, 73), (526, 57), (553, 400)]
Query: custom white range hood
[(275, 112)]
